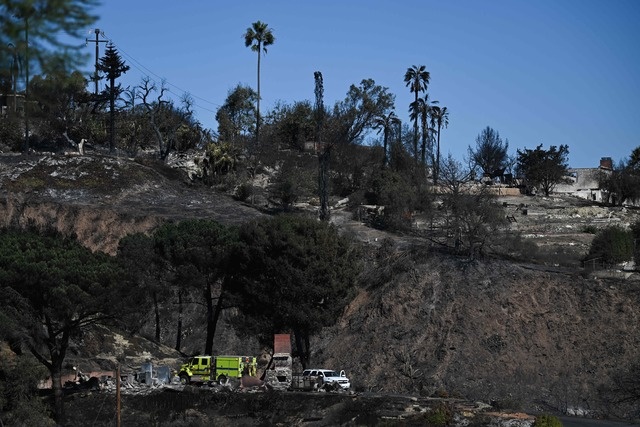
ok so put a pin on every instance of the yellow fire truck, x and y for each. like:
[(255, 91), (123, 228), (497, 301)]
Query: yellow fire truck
[(206, 369)]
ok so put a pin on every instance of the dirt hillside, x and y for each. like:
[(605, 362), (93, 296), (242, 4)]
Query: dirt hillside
[(535, 336)]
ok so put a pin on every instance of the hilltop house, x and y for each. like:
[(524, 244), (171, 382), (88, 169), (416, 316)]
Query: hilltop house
[(11, 103), (584, 182)]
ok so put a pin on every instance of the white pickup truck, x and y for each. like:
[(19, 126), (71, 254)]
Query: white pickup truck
[(325, 377)]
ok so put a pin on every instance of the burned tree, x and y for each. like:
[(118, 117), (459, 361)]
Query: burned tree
[(324, 156), (165, 118)]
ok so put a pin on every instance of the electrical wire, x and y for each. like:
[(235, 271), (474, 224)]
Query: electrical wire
[(146, 71)]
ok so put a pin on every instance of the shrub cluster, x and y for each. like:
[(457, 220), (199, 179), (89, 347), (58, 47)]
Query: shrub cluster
[(612, 245)]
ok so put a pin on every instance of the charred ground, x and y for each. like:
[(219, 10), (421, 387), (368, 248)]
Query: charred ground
[(544, 335)]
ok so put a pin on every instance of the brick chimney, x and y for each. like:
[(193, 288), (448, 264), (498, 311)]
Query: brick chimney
[(606, 163)]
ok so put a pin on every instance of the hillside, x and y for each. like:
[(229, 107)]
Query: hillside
[(537, 335)]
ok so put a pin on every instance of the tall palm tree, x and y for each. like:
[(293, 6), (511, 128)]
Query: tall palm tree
[(258, 36), (417, 79), (384, 124), (439, 118), (422, 110)]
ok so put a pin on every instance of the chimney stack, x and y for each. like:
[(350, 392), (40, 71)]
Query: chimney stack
[(606, 163)]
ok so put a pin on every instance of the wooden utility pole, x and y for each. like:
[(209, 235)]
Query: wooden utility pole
[(118, 396), (96, 41)]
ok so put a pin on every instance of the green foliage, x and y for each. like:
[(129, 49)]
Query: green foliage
[(197, 252), (440, 415), (147, 280), (54, 276), (543, 169), (244, 191), (61, 107), (52, 287), (294, 179), (613, 245), (490, 153), (351, 166), (292, 273), (237, 116), (47, 22), (11, 133), (113, 66), (622, 184), (198, 249), (386, 123), (395, 192), (357, 113), (223, 158), (439, 117), (293, 124), (19, 401), (545, 420), (416, 78)]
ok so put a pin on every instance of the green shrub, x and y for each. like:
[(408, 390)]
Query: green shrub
[(589, 229), (11, 130), (545, 420), (244, 191), (613, 245), (440, 415)]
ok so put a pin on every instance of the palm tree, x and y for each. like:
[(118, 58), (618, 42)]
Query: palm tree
[(417, 79), (384, 124), (422, 110), (258, 36), (439, 118)]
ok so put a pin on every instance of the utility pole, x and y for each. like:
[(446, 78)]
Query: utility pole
[(97, 41), (26, 86), (118, 419)]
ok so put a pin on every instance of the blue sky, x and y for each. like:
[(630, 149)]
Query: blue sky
[(545, 72)]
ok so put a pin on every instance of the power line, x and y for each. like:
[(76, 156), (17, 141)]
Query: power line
[(147, 71)]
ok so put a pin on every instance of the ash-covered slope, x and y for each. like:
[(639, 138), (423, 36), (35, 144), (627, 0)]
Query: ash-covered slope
[(493, 331), (102, 198)]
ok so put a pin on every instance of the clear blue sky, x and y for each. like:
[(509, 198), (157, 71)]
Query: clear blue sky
[(545, 72)]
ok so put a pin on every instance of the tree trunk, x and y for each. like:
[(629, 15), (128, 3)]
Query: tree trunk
[(213, 324), (156, 309), (208, 345), (58, 352), (58, 394), (179, 332), (112, 116), (258, 101), (385, 140), (323, 183), (302, 345), (437, 165), (415, 133)]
